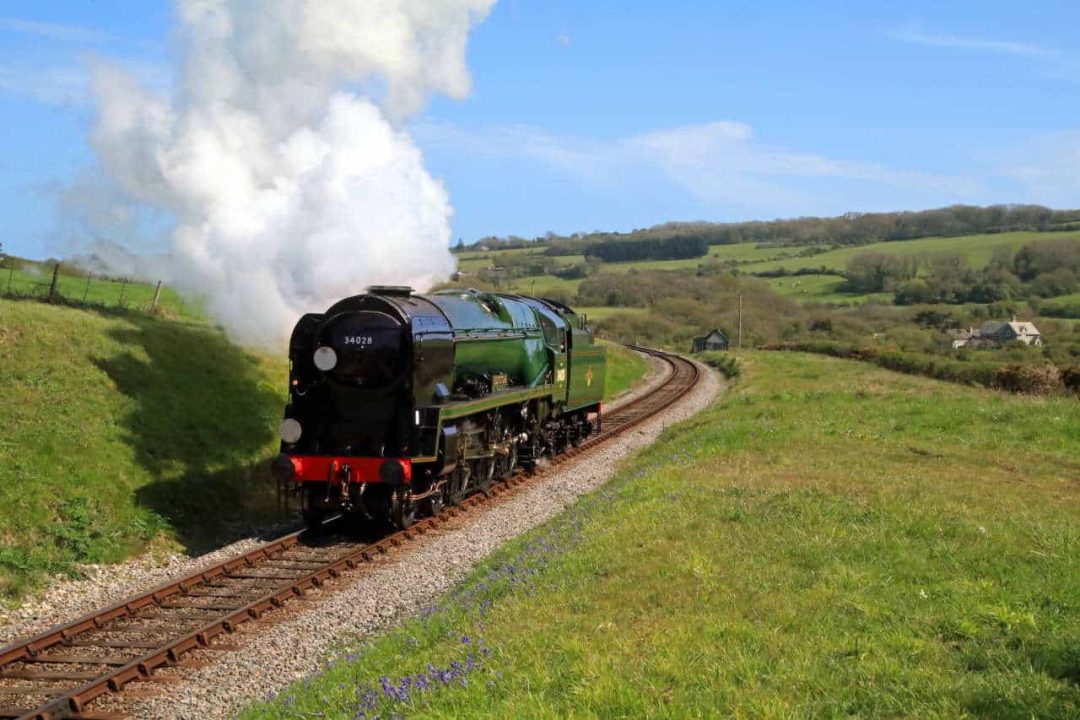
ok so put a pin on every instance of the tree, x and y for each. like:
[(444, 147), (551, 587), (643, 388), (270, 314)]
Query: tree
[(1047, 256), (915, 292), (1001, 258), (870, 272)]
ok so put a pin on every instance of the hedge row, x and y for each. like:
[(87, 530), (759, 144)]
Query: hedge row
[(1033, 379), (722, 361)]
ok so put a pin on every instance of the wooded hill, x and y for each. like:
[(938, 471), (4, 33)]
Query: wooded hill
[(847, 229)]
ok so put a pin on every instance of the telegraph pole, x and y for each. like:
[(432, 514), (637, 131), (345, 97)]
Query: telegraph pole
[(740, 321), (157, 296), (52, 285)]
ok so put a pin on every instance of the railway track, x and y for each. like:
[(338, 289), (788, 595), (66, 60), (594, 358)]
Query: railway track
[(60, 672)]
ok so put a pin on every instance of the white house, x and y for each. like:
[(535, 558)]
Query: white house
[(996, 334)]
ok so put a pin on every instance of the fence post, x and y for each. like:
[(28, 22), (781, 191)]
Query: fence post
[(89, 275), (52, 285), (157, 296), (123, 287)]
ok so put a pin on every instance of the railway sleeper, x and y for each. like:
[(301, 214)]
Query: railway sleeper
[(75, 659)]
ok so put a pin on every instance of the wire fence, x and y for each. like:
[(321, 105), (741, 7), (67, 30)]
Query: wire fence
[(61, 284)]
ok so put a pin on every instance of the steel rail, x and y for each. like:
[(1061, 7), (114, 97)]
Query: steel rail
[(64, 703)]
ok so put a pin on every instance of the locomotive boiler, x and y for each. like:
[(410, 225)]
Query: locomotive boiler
[(400, 403)]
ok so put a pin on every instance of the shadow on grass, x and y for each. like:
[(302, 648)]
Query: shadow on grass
[(203, 427)]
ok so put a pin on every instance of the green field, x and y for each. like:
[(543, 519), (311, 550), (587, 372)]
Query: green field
[(743, 252), (820, 288), (601, 312), (481, 260), (829, 540), (541, 286), (121, 428), (1073, 299), (33, 279), (740, 253), (977, 249)]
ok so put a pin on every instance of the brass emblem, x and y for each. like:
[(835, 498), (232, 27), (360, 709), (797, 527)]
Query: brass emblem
[(588, 377)]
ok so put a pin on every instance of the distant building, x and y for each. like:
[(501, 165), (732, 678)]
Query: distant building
[(715, 340), (996, 334)]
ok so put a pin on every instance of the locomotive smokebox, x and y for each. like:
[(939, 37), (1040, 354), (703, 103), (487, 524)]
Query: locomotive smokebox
[(367, 348)]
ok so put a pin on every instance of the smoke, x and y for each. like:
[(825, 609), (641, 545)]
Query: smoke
[(278, 155)]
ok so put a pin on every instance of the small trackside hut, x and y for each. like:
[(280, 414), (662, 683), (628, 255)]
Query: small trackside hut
[(714, 340), (400, 403)]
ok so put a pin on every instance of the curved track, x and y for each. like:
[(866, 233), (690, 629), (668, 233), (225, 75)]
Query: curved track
[(59, 672)]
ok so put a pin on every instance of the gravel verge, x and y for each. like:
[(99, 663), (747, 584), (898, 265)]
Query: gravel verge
[(295, 641)]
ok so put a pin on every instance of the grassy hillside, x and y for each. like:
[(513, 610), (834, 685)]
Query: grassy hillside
[(742, 252), (26, 278), (120, 428), (751, 258), (976, 249), (830, 539)]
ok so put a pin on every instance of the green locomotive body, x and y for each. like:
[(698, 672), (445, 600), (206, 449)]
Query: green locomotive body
[(400, 402)]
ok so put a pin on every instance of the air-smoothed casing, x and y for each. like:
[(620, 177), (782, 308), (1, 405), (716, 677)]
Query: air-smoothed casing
[(406, 363)]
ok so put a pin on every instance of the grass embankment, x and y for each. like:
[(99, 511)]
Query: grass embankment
[(119, 429), (625, 369), (830, 539), (32, 279)]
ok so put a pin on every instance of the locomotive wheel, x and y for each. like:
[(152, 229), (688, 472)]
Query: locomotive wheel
[(580, 432), (485, 472), (508, 462), (562, 441), (433, 505), (313, 515), (534, 452), (404, 511), (458, 484)]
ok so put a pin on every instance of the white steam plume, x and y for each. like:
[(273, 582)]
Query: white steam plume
[(278, 153)]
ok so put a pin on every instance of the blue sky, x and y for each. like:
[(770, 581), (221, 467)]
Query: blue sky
[(602, 115)]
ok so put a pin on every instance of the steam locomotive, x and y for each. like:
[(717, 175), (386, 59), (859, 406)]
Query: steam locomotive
[(401, 403)]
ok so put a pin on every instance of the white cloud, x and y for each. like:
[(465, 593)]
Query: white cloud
[(915, 35), (721, 164), (53, 31)]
